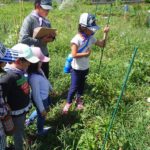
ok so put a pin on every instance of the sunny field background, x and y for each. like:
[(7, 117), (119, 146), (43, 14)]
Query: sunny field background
[(86, 130)]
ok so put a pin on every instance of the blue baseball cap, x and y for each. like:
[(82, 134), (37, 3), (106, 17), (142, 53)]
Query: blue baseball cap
[(7, 55), (46, 4)]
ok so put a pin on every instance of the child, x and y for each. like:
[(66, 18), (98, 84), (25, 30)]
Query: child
[(38, 18), (17, 89), (40, 91), (80, 63), (6, 55)]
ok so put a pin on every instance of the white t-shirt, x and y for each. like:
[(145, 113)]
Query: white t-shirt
[(82, 63)]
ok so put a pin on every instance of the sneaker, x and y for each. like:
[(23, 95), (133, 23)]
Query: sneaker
[(10, 147), (148, 100), (44, 131), (27, 122), (66, 108), (79, 104)]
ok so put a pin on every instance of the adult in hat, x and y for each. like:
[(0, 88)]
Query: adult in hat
[(16, 89), (38, 18), (80, 51), (6, 55)]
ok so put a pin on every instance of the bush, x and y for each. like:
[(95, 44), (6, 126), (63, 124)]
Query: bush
[(147, 1), (6, 1)]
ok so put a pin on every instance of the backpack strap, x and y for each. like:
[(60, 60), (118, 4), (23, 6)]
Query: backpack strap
[(81, 49)]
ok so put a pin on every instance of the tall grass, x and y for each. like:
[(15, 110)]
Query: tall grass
[(86, 130)]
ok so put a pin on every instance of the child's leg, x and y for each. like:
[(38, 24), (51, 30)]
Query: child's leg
[(41, 119), (40, 122), (75, 81), (47, 103), (19, 131), (2, 137), (81, 89), (2, 142), (81, 84)]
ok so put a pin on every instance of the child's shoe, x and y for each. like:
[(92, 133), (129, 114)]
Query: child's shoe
[(27, 122), (44, 132), (148, 100), (79, 104), (66, 108)]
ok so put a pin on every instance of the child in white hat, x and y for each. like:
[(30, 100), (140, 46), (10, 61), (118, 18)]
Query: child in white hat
[(17, 89), (83, 40)]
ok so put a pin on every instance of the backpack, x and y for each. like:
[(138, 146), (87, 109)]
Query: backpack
[(68, 67)]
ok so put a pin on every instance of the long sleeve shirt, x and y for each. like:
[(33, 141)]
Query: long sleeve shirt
[(16, 88), (32, 21), (40, 89)]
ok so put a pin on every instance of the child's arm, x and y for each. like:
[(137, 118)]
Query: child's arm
[(102, 43), (75, 54)]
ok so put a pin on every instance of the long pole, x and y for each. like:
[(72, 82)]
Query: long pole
[(119, 99), (105, 37)]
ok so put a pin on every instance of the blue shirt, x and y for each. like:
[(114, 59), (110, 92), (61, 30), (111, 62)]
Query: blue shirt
[(41, 87)]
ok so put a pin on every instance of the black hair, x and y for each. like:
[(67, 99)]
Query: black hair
[(33, 68), (81, 29), (37, 2), (22, 59), (1, 62)]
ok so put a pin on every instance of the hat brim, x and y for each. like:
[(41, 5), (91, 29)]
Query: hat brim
[(38, 53), (10, 56), (47, 7), (94, 28), (32, 59), (45, 59)]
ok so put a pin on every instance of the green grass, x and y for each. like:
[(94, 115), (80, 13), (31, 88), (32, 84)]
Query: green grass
[(86, 130)]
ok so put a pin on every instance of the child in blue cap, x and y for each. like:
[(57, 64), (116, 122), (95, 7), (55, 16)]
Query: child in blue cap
[(6, 55), (84, 39)]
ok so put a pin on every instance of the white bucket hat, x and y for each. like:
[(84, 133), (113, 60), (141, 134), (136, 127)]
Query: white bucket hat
[(88, 20), (24, 51)]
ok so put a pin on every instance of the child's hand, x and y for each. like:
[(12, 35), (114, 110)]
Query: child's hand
[(52, 35), (49, 38), (43, 113), (53, 93), (88, 52)]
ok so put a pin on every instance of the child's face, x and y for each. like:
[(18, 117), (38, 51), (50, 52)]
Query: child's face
[(88, 32), (43, 12), (24, 64)]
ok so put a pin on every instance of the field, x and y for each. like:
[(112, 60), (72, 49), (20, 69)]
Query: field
[(85, 130)]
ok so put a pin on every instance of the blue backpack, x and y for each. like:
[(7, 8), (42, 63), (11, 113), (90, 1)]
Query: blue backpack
[(67, 67)]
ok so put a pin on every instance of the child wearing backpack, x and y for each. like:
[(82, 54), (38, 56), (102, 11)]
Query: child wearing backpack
[(6, 55), (84, 39)]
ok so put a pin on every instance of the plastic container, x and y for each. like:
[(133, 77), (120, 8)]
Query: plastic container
[(67, 67)]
